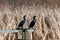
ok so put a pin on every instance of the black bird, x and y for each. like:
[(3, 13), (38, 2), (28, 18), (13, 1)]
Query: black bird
[(32, 22), (22, 22)]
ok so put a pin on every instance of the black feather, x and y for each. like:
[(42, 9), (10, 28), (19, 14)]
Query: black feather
[(22, 22), (32, 22)]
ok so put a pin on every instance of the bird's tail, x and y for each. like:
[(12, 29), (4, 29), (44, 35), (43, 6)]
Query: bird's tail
[(31, 27)]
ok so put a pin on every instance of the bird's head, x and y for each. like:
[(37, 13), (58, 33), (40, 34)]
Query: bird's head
[(34, 17), (24, 16)]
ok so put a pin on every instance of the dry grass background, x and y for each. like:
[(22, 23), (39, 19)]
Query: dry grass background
[(47, 26)]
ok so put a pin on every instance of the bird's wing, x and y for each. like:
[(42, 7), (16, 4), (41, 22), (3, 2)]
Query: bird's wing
[(21, 23), (32, 23)]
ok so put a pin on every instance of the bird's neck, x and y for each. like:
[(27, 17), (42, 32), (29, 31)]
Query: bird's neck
[(24, 19), (34, 19)]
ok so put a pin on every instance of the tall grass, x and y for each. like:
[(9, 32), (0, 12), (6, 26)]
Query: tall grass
[(47, 26)]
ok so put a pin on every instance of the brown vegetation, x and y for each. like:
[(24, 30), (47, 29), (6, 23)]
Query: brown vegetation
[(47, 26)]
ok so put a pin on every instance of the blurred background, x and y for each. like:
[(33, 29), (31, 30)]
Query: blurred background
[(47, 26)]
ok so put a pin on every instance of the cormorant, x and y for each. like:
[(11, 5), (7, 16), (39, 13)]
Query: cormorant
[(22, 22), (32, 22)]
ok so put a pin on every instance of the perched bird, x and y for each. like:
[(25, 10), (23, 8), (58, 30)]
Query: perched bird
[(32, 22), (22, 22)]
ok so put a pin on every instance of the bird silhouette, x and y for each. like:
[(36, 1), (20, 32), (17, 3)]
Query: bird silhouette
[(22, 22), (32, 23)]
